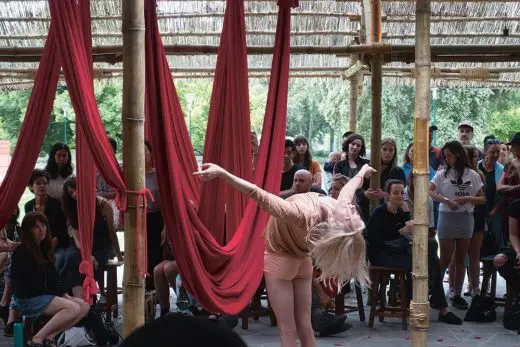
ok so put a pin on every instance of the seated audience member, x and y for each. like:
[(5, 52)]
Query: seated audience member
[(165, 275), (59, 166), (328, 167), (105, 191), (51, 208), (302, 183), (183, 331), (508, 261), (289, 168), (389, 234), (104, 242), (303, 156), (9, 237), (37, 289)]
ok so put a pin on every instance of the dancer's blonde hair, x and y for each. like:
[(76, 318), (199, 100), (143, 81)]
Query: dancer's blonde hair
[(338, 246)]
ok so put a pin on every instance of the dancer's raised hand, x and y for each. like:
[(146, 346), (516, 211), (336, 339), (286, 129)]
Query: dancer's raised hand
[(366, 171), (209, 171)]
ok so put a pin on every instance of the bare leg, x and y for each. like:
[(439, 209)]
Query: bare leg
[(77, 292), (461, 252), (171, 271), (302, 311), (162, 287), (447, 248), (281, 297), (474, 261), (8, 293), (65, 313)]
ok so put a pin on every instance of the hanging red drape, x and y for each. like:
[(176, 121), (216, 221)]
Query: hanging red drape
[(223, 207), (222, 278), (33, 130), (73, 32)]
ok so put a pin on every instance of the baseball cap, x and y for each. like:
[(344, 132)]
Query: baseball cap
[(433, 127), (515, 140), (465, 123)]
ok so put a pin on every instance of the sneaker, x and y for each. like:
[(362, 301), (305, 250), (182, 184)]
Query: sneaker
[(458, 302), (467, 293), (9, 330), (450, 318)]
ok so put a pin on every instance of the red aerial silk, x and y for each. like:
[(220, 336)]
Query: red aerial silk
[(33, 130), (73, 33), (222, 278), (228, 142)]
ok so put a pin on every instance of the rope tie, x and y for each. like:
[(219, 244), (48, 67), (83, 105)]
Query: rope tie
[(89, 284), (419, 314)]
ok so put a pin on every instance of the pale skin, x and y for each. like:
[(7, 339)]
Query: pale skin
[(301, 149), (455, 247), (290, 300), (302, 183), (66, 311)]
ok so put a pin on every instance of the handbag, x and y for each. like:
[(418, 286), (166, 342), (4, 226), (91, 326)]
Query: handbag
[(400, 245)]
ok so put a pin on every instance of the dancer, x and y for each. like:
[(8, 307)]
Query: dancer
[(330, 230)]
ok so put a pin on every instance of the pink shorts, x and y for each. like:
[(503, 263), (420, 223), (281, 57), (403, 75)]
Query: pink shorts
[(287, 267)]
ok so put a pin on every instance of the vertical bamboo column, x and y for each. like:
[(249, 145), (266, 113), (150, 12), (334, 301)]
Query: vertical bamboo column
[(133, 157), (419, 307), (354, 81), (377, 85)]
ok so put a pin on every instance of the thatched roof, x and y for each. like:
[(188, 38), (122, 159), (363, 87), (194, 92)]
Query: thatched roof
[(316, 23)]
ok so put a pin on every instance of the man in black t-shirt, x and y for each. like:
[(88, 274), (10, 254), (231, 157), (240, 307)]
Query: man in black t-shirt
[(289, 168)]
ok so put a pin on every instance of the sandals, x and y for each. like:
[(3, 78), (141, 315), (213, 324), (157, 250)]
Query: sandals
[(44, 343)]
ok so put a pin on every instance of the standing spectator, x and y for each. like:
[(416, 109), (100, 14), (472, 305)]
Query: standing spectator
[(289, 168), (504, 154), (436, 159), (354, 150), (465, 135), (458, 189), (303, 157), (408, 163), (509, 186), (59, 166)]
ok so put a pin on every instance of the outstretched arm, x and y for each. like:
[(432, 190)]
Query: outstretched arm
[(348, 192), (272, 204)]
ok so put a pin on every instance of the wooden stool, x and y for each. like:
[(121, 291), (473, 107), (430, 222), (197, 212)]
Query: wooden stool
[(256, 310), (490, 272), (150, 302), (111, 291), (341, 308), (380, 277)]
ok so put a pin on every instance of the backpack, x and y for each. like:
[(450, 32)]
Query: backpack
[(512, 317), (102, 331), (75, 337), (482, 309)]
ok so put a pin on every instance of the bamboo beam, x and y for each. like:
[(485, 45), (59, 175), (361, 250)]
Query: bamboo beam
[(463, 50), (354, 84), (448, 35), (440, 19), (376, 36), (419, 307), (351, 16), (133, 157)]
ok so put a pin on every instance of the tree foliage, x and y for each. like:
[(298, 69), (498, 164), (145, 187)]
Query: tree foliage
[(317, 108)]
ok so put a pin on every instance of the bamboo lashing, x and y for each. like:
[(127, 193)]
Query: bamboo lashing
[(475, 74)]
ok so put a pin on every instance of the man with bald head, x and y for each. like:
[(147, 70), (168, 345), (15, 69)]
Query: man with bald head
[(301, 184)]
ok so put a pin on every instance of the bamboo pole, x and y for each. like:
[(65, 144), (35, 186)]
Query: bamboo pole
[(133, 157), (377, 85), (419, 307), (354, 82)]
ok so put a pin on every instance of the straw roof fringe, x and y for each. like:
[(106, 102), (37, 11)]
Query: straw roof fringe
[(327, 23)]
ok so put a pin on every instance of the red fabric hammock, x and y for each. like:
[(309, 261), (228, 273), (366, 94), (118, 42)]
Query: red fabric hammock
[(222, 278), (73, 33), (33, 130)]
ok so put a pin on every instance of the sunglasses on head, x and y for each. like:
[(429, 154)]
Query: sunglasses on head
[(493, 142)]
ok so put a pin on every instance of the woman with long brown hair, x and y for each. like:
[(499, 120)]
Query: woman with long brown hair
[(37, 289), (303, 157)]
